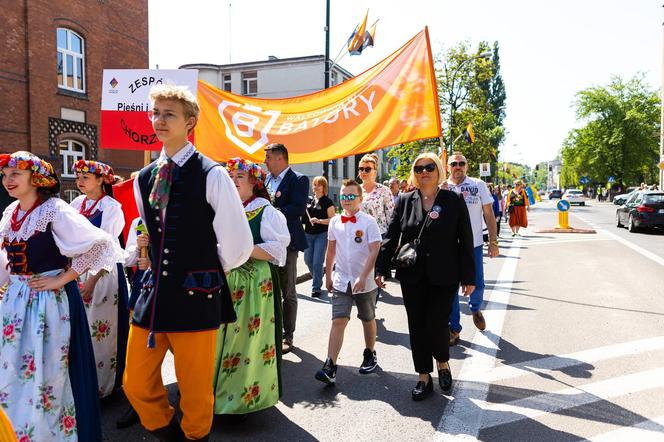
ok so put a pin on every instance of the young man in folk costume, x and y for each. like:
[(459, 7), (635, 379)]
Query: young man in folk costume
[(198, 231), (104, 295)]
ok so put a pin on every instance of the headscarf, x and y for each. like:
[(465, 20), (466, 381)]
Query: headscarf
[(43, 174), (252, 169), (96, 168)]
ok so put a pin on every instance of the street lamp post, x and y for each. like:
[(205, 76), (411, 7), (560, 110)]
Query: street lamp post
[(453, 97)]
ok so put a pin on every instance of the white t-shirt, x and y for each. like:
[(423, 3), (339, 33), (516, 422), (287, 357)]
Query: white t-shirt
[(477, 195), (352, 254)]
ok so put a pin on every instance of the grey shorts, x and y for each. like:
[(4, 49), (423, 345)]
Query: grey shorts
[(342, 304)]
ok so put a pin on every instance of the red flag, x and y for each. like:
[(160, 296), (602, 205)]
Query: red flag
[(124, 194)]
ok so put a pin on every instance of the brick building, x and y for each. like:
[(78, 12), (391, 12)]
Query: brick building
[(51, 63)]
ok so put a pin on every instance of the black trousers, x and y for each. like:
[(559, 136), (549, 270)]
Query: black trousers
[(428, 308)]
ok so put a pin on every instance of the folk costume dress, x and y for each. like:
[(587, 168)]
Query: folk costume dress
[(48, 385), (107, 312), (248, 357)]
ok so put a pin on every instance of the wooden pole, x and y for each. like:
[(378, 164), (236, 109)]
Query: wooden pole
[(147, 158)]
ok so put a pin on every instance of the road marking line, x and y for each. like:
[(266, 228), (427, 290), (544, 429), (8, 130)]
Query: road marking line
[(460, 420), (658, 259), (556, 363), (642, 431), (560, 241), (547, 403)]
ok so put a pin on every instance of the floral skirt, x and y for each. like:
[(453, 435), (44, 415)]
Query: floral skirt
[(248, 357), (107, 311), (45, 364)]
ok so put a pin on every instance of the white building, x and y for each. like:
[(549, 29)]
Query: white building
[(288, 77), (553, 175)]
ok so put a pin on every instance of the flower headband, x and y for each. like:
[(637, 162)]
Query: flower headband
[(252, 169), (96, 168), (43, 174)]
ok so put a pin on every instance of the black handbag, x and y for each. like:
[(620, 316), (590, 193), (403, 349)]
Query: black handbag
[(406, 256)]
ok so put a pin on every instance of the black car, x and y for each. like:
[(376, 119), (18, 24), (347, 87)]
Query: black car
[(642, 209), (555, 193)]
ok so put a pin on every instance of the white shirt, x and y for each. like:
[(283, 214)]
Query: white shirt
[(274, 231), (131, 248), (476, 194), (351, 256), (273, 182), (234, 240)]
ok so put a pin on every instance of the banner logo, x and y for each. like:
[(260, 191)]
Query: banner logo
[(114, 83), (246, 125)]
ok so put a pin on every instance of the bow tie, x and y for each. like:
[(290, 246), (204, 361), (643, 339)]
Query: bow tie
[(345, 219)]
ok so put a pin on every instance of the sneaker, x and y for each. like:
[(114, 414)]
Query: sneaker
[(315, 294), (370, 362), (327, 374)]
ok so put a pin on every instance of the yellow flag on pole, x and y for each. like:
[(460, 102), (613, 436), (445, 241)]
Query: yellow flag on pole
[(394, 102)]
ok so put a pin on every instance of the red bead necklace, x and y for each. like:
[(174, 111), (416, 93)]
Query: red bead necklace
[(17, 223), (87, 212)]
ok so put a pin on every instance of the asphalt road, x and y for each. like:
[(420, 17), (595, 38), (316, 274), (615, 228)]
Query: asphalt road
[(574, 349)]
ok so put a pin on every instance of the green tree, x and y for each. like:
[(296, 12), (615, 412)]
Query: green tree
[(620, 135), (406, 153)]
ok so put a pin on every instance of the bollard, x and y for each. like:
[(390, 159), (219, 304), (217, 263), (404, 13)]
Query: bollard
[(563, 214)]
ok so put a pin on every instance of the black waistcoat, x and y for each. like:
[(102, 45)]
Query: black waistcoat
[(36, 255), (188, 289)]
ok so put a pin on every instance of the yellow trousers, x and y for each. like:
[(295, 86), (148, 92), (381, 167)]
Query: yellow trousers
[(194, 368)]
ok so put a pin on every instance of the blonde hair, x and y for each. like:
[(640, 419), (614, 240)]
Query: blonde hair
[(176, 93), (518, 183), (323, 182), (370, 158), (412, 179)]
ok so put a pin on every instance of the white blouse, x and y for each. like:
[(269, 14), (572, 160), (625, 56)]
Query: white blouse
[(274, 231), (131, 247), (112, 220), (89, 247)]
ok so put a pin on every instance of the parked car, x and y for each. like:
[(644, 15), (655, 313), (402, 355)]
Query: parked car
[(574, 196), (555, 194), (643, 209), (621, 198)]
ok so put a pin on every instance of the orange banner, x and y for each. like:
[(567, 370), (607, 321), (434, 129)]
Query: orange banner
[(394, 102)]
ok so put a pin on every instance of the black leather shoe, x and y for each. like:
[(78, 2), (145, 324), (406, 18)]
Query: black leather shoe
[(128, 419), (445, 380), (170, 433), (422, 389)]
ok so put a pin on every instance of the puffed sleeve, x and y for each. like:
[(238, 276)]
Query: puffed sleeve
[(112, 220), (4, 271), (275, 235), (131, 248), (89, 247), (234, 240)]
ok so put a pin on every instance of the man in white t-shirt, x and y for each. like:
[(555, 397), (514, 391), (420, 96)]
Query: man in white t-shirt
[(353, 245), (480, 208)]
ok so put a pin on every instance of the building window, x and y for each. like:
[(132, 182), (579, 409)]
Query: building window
[(227, 82), (71, 152), (345, 168), (71, 60), (70, 195), (249, 83), (335, 79)]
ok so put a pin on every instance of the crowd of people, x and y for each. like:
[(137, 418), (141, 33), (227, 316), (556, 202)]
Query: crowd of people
[(208, 271)]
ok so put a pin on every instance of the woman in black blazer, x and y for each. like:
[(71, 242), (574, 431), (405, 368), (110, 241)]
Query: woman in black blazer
[(444, 261)]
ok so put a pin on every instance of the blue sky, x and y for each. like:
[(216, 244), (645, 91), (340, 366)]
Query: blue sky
[(549, 50)]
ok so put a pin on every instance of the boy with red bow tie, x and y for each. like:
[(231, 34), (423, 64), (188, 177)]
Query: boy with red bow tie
[(353, 243)]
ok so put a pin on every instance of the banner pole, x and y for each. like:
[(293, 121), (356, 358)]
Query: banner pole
[(146, 157)]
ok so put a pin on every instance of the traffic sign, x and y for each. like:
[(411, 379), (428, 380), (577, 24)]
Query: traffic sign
[(661, 165), (563, 205), (612, 179), (485, 169)]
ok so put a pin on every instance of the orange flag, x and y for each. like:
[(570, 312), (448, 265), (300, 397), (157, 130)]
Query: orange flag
[(394, 102)]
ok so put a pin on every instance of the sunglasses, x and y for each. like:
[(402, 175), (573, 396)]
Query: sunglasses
[(365, 169), (428, 167), (460, 163), (350, 197)]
